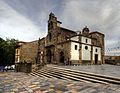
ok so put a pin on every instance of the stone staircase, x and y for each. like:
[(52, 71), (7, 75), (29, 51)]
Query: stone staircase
[(51, 71)]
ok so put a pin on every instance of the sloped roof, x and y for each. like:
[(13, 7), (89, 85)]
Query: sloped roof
[(96, 32), (68, 30)]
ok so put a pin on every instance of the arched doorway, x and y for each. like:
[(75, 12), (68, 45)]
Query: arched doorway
[(62, 59), (49, 56)]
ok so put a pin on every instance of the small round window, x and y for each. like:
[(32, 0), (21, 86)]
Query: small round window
[(86, 47)]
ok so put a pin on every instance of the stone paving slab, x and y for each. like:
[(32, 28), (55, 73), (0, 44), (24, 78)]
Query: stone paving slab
[(105, 69), (13, 82)]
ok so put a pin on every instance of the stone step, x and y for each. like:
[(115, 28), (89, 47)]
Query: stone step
[(37, 75), (42, 72), (68, 74), (76, 77), (89, 75), (50, 73)]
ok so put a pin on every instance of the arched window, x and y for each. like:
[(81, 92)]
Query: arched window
[(62, 59), (75, 47), (96, 50)]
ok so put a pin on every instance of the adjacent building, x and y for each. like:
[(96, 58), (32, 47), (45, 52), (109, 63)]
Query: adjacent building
[(115, 60), (26, 54)]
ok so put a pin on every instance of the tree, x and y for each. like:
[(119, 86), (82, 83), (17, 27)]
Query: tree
[(7, 51), (2, 51)]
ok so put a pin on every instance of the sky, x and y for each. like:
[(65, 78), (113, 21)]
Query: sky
[(26, 20)]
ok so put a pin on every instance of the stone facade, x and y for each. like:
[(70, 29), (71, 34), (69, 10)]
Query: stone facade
[(59, 45), (26, 55), (63, 46)]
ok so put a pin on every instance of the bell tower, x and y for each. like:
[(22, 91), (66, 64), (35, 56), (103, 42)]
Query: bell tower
[(52, 22), (53, 28)]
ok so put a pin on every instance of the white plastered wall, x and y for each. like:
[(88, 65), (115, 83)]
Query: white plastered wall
[(86, 53), (83, 40), (76, 38), (98, 52), (74, 53)]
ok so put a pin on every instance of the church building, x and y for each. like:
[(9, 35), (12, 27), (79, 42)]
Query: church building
[(61, 46), (64, 46)]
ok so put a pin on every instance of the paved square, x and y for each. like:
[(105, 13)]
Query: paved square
[(13, 82), (105, 69)]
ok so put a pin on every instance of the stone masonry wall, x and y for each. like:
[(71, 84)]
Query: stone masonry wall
[(28, 52)]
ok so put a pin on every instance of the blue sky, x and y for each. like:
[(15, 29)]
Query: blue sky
[(26, 20)]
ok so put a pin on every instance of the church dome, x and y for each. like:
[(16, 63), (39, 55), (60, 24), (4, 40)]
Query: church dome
[(86, 29)]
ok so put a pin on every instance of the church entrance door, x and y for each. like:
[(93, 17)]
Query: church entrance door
[(96, 58), (62, 59), (49, 56)]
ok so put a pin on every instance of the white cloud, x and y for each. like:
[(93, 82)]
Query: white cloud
[(14, 25), (100, 15), (27, 19), (106, 12)]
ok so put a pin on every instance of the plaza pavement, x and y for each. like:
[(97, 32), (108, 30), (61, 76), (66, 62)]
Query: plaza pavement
[(104, 69), (17, 82)]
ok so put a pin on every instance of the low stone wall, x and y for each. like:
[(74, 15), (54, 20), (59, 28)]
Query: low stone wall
[(75, 62), (86, 62), (23, 67), (113, 62)]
